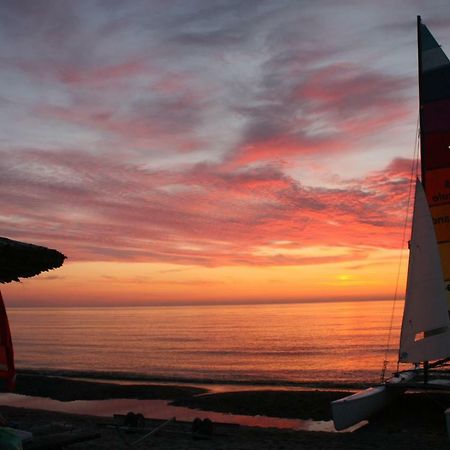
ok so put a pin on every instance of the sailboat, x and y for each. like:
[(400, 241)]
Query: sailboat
[(425, 332)]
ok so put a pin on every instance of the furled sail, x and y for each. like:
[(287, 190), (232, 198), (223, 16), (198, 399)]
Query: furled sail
[(425, 332), (434, 88)]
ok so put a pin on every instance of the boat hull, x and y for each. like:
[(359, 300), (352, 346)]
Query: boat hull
[(348, 411), (355, 408)]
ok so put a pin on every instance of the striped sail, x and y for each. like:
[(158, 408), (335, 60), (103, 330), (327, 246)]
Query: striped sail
[(434, 86), (425, 334)]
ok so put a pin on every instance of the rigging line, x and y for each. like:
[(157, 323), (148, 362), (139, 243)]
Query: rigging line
[(413, 174)]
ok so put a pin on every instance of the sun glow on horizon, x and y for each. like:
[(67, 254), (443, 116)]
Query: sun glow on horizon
[(112, 283)]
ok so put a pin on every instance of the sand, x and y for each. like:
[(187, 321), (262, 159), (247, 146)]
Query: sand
[(415, 421), (66, 389)]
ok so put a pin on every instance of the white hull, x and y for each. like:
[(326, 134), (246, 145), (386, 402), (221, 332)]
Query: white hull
[(350, 410)]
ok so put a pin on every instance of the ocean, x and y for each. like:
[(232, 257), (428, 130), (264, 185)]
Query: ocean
[(307, 343)]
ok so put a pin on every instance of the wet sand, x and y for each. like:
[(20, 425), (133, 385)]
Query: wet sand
[(415, 421), (66, 389)]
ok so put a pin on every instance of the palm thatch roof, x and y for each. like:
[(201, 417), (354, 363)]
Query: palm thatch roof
[(21, 260)]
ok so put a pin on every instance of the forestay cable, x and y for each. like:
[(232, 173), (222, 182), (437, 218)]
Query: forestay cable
[(414, 172)]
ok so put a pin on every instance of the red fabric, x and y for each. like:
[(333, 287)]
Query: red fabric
[(437, 151), (7, 371), (436, 116)]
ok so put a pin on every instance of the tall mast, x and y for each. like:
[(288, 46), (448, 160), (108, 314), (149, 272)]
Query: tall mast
[(419, 58), (422, 152)]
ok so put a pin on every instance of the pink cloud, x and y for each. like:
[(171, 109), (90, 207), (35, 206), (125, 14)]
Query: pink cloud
[(286, 146), (325, 111), (167, 123), (94, 209), (101, 75)]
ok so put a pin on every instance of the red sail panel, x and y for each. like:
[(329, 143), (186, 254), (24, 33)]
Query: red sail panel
[(7, 369), (438, 151), (435, 139), (435, 116)]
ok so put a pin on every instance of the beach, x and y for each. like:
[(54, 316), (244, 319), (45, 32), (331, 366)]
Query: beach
[(414, 421)]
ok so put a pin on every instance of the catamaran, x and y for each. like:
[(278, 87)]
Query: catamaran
[(425, 332)]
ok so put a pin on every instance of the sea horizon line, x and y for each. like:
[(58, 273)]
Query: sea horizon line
[(210, 303)]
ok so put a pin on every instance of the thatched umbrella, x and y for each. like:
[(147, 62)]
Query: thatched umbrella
[(21, 260)]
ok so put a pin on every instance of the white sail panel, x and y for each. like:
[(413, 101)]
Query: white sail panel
[(425, 332)]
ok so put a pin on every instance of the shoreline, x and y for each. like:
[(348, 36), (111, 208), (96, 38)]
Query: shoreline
[(416, 421), (128, 378), (302, 404)]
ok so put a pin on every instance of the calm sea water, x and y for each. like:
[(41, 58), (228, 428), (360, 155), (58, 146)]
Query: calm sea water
[(309, 342)]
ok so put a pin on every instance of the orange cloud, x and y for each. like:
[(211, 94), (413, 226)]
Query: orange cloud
[(95, 209)]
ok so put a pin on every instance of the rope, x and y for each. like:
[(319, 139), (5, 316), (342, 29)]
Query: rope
[(413, 175)]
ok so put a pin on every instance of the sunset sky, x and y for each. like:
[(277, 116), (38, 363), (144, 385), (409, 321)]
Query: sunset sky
[(209, 151)]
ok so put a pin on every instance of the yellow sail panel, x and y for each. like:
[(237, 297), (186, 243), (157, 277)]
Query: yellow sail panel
[(438, 186), (441, 221), (444, 251)]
